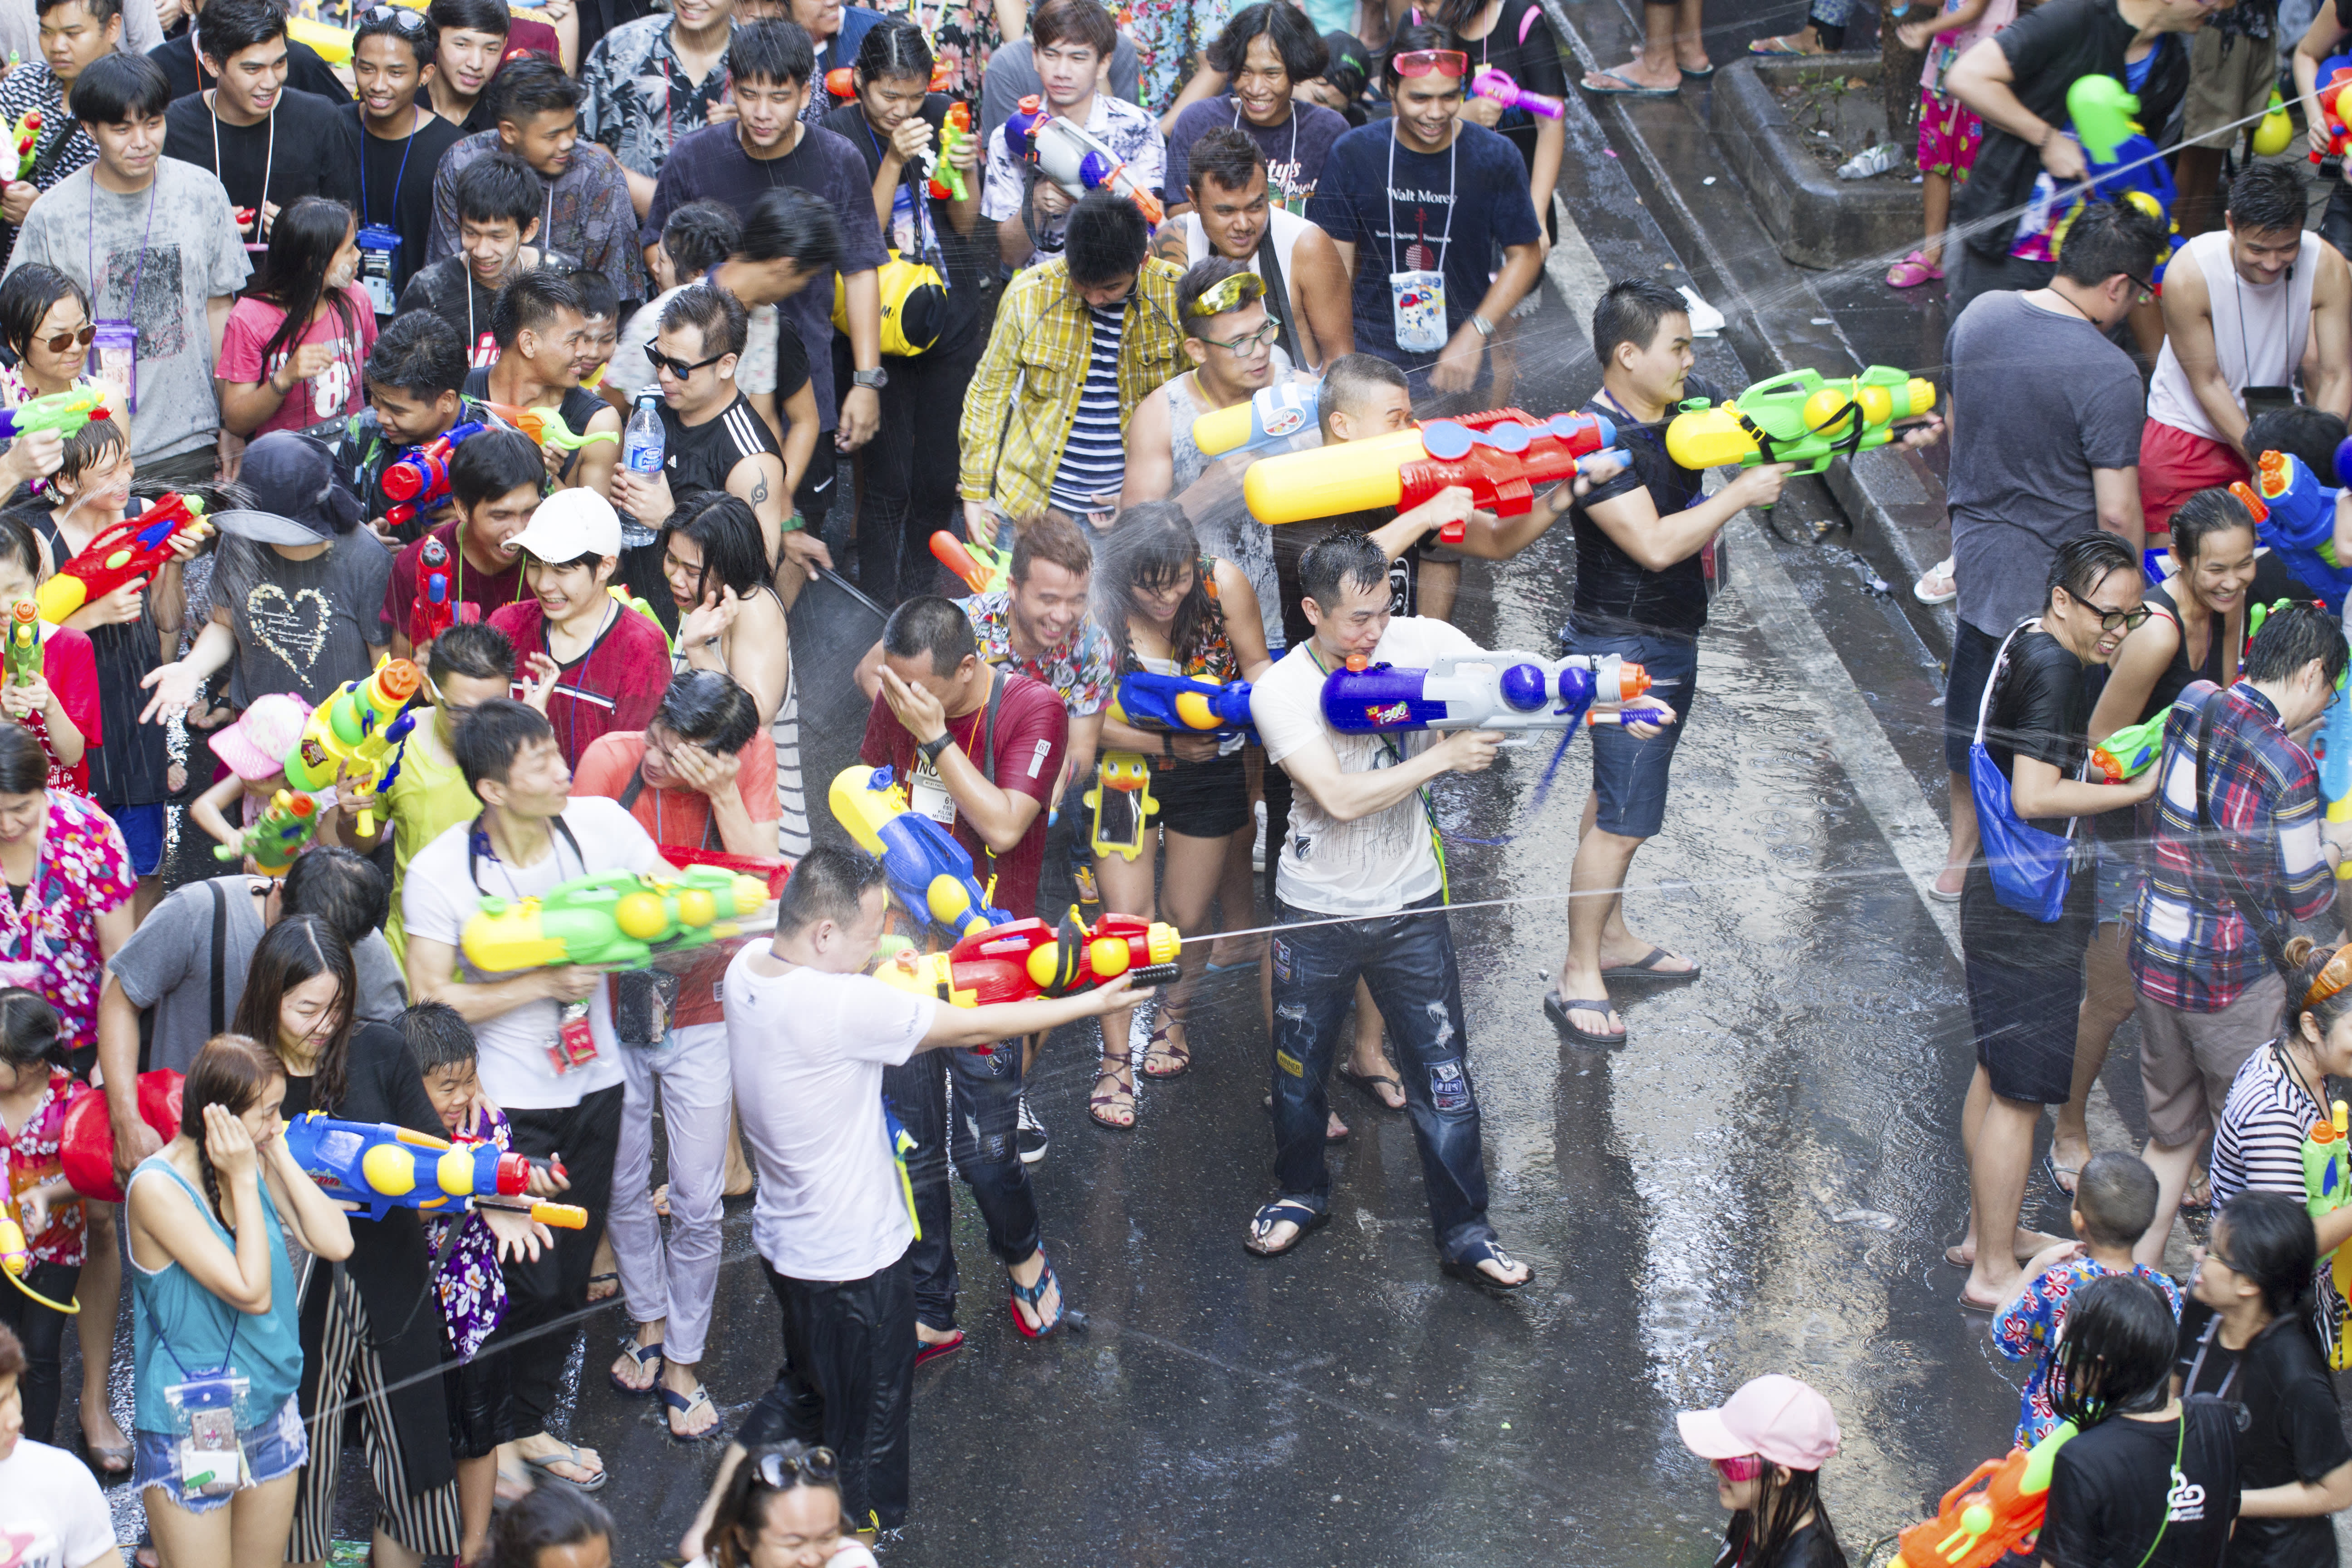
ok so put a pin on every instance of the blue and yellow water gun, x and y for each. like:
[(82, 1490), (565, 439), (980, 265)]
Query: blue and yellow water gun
[(929, 872), (380, 1167)]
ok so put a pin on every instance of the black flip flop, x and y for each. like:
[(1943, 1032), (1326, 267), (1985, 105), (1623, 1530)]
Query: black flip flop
[(1467, 1268), (1645, 970), (1558, 1009), (1308, 1220), (1363, 1083)]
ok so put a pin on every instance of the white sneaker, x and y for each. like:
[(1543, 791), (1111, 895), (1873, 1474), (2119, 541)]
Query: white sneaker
[(1033, 1137)]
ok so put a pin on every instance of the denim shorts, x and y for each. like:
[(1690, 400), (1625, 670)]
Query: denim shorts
[(143, 833), (273, 1448), (2119, 877), (1629, 774)]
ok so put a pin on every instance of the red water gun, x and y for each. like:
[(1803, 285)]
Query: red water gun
[(437, 607), (419, 477), (136, 548), (2335, 77), (1500, 455), (842, 80), (1023, 960), (947, 180), (28, 140)]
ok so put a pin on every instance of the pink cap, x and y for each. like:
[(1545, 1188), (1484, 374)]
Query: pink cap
[(1777, 1417), (263, 737)]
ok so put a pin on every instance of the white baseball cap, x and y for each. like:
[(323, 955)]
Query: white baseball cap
[(570, 524)]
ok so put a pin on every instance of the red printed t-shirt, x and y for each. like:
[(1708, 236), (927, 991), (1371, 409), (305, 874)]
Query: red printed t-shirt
[(333, 392), (69, 665), (682, 817), (466, 585), (617, 685), (1032, 729)]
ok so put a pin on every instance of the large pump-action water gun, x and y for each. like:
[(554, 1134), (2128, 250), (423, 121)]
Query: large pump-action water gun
[(437, 607), (355, 732), (379, 1167), (2294, 514), (275, 840), (2326, 1187), (24, 136), (419, 477), (1489, 83), (982, 566), (64, 411), (1072, 158), (25, 657), (2132, 750), (1479, 692), (1998, 1510), (1184, 704), (2330, 83), (947, 181), (1267, 421), (929, 872), (1802, 417), (1024, 960), (1500, 456), (613, 919), (132, 549), (546, 428), (2124, 165)]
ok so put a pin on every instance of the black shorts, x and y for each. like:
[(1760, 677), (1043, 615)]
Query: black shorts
[(1973, 653), (479, 1395), (2025, 1017), (1201, 800)]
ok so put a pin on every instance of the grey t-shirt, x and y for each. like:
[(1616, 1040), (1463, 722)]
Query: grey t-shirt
[(306, 626), (2040, 398), (154, 257), (167, 965)]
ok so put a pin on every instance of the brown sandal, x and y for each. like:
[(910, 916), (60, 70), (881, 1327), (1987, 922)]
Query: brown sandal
[(1102, 1101), (1158, 1045)]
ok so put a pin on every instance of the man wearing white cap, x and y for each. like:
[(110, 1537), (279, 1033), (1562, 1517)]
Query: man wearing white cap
[(1769, 1443), (589, 662)]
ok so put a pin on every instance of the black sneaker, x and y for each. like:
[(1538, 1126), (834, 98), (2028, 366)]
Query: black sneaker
[(1032, 1135)]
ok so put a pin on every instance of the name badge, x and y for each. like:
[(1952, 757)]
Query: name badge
[(927, 793), (114, 360), (379, 258), (1417, 300)]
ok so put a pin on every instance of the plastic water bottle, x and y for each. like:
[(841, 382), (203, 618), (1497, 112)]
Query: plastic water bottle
[(641, 444)]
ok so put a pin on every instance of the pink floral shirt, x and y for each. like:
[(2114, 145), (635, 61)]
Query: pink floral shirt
[(48, 931), (32, 1155)]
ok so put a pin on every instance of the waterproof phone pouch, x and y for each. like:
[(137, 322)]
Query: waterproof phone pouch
[(114, 360), (379, 258), (642, 1002), (211, 1461), (1417, 299), (575, 1042)]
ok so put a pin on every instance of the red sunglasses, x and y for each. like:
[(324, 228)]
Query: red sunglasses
[(1746, 1467), (1428, 62)]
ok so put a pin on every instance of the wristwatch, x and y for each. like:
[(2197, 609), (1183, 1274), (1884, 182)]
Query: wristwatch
[(877, 378), (932, 748), (1485, 328)]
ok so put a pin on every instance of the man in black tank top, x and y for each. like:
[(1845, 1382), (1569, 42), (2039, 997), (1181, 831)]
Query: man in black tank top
[(540, 326)]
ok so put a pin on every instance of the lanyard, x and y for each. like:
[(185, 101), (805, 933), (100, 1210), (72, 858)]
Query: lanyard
[(1453, 152), (415, 119), (916, 197), (2204, 1344), (478, 844), (269, 160), (89, 246)]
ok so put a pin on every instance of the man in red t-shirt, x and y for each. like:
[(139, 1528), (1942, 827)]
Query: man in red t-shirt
[(694, 776), (589, 662), (494, 480), (979, 750)]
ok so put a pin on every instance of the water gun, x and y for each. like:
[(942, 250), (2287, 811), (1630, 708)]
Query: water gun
[(2330, 82), (1267, 421), (420, 476), (86, 1138), (435, 609), (2326, 1187), (616, 919), (2275, 132), (2131, 751), (2125, 165), (2331, 749), (1123, 803), (26, 137), (1072, 158), (378, 1167), (1183, 704), (1489, 83), (2294, 514), (64, 411), (929, 872), (1801, 417), (278, 836), (1028, 959), (25, 659), (546, 428), (136, 548), (354, 733), (332, 44), (1482, 692), (1997, 1509), (1501, 455), (16, 1257), (947, 180), (983, 567)]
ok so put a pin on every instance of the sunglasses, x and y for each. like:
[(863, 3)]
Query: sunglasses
[(679, 367), (2109, 620), (781, 1472), (1745, 1467), (408, 21), (65, 341), (1227, 294), (1431, 62)]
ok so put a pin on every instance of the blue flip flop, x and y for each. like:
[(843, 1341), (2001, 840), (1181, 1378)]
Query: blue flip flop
[(644, 1355), (1625, 89)]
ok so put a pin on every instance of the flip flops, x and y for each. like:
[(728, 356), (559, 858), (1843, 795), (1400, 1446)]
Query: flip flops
[(644, 1355), (929, 1350), (687, 1404), (543, 1465), (1779, 49), (1558, 1008), (1467, 1268), (1912, 270), (1363, 1083), (1308, 1220), (1624, 87), (1645, 970), (1031, 1295)]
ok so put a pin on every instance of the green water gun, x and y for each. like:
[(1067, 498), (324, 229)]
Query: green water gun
[(2132, 750)]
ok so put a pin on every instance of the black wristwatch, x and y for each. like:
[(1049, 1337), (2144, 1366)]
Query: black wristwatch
[(932, 748)]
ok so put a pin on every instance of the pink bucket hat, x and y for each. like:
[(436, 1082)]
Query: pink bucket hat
[(257, 744), (1776, 1416)]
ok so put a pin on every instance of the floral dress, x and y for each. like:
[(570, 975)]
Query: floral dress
[(472, 1289), (48, 931), (1168, 34), (33, 1159), (962, 37)]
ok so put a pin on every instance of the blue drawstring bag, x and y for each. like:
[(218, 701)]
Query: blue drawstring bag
[(2030, 868)]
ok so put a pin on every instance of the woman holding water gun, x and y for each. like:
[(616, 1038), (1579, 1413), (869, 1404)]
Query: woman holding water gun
[(35, 1087), (1170, 610), (45, 320)]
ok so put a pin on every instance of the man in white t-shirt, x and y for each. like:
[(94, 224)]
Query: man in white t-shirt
[(530, 836), (809, 1035), (52, 1514), (1359, 846)]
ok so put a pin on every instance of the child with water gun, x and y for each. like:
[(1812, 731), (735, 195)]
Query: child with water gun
[(50, 684), (43, 1236), (254, 749)]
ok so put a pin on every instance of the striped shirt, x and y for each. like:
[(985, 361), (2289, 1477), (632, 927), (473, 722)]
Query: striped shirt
[(2258, 1148), (1094, 459)]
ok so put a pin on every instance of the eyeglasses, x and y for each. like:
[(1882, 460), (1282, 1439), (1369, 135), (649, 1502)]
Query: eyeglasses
[(1227, 294), (1249, 342), (1431, 62), (400, 17), (1746, 1467), (2109, 620), (781, 1472), (2146, 289), (679, 367), (65, 341)]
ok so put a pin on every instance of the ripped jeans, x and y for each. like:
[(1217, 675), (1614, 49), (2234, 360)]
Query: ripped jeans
[(984, 1094), (1408, 962)]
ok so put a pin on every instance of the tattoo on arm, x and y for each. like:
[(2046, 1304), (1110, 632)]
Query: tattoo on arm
[(758, 489)]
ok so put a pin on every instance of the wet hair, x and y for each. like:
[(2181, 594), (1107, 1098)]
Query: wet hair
[(718, 315), (1337, 562), (1411, 40), (469, 16), (18, 542), (699, 236), (599, 300), (2273, 1243), (930, 624), (27, 295), (24, 766), (2267, 198), (28, 1029), (1152, 545), (790, 223), (826, 884), (1759, 1533), (116, 88), (1107, 238), (2106, 238), (339, 886), (233, 1072), (894, 50), (777, 52), (493, 464), (742, 1511), (2307, 960), (528, 302), (424, 41), (1053, 539), (419, 355), (232, 27), (498, 186), (475, 649), (534, 85), (723, 527), (1630, 312), (2292, 637), (1074, 22), (438, 1034), (1198, 279), (2084, 562), (2203, 515), (100, 11), (490, 738), (293, 271), (548, 1516), (1304, 53), (1225, 155), (100, 441), (2115, 1351), (707, 709), (298, 949), (1348, 380), (2116, 1195), (2302, 431)]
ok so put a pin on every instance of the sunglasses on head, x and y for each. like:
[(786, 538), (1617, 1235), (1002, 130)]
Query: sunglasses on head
[(408, 21), (781, 1472), (1745, 1467), (679, 367), (65, 341), (1431, 62), (1227, 294)]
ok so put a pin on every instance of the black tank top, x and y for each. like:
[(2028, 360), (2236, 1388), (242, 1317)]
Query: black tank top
[(2177, 675)]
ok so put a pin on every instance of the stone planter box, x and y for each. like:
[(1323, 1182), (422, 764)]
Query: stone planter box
[(1815, 218)]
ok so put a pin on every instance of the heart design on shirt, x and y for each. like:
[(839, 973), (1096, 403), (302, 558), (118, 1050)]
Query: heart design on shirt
[(281, 622)]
